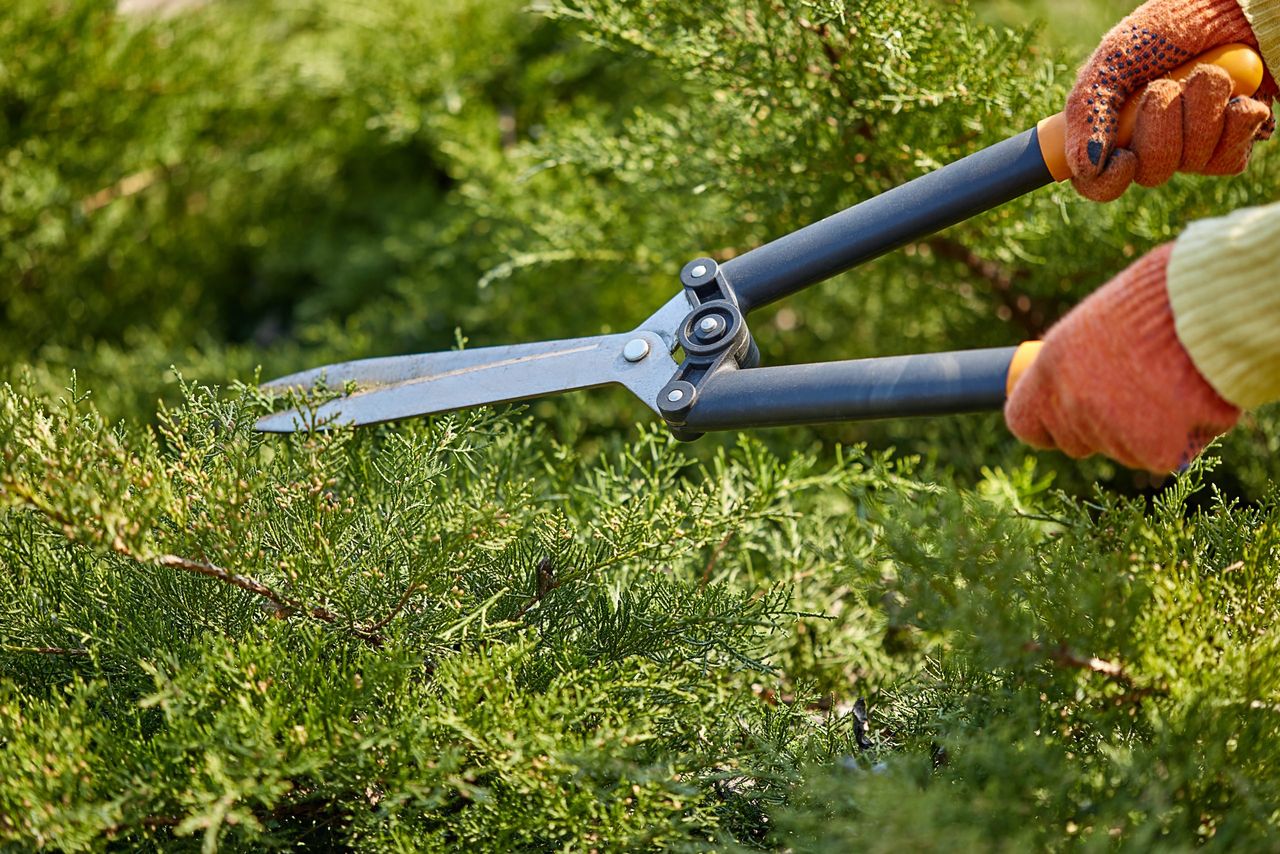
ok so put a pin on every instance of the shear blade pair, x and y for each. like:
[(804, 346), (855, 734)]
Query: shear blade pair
[(397, 387)]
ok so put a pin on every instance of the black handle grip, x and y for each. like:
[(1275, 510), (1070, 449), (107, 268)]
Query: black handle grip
[(901, 386), (930, 203)]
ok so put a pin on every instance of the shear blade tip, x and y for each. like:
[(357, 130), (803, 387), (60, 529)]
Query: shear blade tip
[(281, 422)]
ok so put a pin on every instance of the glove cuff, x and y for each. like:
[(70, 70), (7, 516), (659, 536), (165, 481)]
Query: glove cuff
[(1114, 378), (1226, 303), (1264, 17)]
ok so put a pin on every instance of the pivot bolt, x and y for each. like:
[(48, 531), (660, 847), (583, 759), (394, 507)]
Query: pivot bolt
[(676, 396), (709, 325), (699, 271), (637, 350)]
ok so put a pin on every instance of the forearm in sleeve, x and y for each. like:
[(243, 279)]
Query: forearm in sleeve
[(1224, 288), (1264, 17)]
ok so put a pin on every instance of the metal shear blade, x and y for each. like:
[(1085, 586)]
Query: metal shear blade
[(429, 383)]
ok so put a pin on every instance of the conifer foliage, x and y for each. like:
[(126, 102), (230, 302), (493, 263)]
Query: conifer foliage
[(547, 628)]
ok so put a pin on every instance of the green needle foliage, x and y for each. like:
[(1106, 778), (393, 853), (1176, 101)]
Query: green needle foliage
[(547, 628)]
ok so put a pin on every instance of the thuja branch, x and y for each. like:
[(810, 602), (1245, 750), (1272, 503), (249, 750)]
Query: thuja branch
[(46, 650), (823, 32), (283, 605), (329, 812), (715, 558)]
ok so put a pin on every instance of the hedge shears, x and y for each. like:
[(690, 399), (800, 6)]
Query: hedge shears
[(719, 384)]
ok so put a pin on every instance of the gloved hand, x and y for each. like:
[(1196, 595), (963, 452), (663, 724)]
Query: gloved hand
[(1190, 127), (1113, 378)]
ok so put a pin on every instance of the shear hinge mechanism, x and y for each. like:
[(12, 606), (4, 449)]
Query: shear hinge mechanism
[(714, 337)]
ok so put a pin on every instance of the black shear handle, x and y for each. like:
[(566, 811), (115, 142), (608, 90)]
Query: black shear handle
[(862, 390), (932, 202)]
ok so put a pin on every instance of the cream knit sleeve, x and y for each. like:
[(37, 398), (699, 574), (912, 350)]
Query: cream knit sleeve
[(1224, 287), (1264, 15)]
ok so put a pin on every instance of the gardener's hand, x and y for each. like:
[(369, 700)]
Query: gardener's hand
[(1194, 126), (1114, 379)]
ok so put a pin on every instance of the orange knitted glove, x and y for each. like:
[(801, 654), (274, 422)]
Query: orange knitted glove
[(1190, 127), (1114, 379)]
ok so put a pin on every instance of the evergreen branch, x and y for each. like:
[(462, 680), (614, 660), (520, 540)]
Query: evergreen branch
[(1043, 517), (305, 809), (823, 32), (642, 548), (283, 605), (46, 650), (28, 495), (1030, 315), (834, 56)]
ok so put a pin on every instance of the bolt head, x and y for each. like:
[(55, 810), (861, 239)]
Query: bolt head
[(709, 324), (675, 396), (637, 350), (699, 271)]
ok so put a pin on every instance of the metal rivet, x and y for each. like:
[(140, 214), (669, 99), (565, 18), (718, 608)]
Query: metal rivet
[(676, 396), (699, 271), (709, 324), (636, 350)]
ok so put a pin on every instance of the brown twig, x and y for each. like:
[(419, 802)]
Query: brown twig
[(395, 609), (1112, 670), (823, 32), (1033, 317), (130, 185), (284, 605), (833, 56), (1062, 656), (714, 559), (48, 650), (281, 604), (546, 582)]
